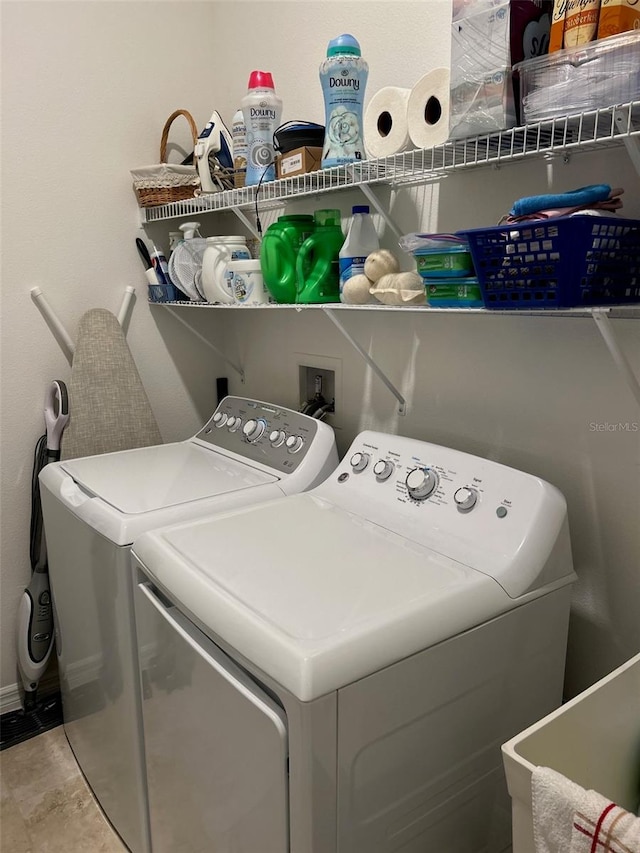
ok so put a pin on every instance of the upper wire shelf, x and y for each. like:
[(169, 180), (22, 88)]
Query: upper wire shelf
[(603, 128)]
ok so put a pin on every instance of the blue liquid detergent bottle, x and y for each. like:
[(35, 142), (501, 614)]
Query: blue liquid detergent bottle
[(343, 76)]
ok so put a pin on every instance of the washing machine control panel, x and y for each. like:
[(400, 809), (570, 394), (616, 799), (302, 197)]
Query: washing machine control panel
[(421, 483), (476, 511), (262, 432)]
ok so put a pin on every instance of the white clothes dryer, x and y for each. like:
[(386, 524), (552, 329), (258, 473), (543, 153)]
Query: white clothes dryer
[(342, 679), (93, 508)]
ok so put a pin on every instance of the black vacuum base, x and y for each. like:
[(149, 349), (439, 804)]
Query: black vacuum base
[(17, 726)]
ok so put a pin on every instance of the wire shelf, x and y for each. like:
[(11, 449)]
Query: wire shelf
[(597, 129), (615, 312)]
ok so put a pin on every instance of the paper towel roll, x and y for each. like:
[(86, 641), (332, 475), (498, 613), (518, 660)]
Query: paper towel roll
[(428, 109), (385, 122)]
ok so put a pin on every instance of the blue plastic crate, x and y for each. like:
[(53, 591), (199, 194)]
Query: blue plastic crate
[(164, 293), (565, 262)]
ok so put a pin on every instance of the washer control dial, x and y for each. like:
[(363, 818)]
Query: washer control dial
[(359, 461), (254, 429), (220, 421), (234, 424), (421, 482), (277, 437), (294, 443), (465, 498), (383, 469)]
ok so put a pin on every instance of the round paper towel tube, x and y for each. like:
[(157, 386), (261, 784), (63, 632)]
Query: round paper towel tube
[(385, 122), (428, 109)]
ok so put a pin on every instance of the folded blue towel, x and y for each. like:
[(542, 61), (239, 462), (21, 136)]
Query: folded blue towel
[(573, 198)]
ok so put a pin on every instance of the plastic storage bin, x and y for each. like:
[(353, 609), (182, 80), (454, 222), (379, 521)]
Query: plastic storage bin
[(593, 740), (564, 262), (580, 79), (165, 293)]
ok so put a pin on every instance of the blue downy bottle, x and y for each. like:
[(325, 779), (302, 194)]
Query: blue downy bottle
[(343, 76)]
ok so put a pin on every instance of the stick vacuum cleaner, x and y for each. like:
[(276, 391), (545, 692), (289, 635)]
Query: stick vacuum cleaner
[(35, 614)]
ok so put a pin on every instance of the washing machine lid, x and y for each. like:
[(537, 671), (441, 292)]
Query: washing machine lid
[(147, 479), (316, 596)]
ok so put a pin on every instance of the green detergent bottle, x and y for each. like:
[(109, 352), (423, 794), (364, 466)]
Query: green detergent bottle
[(279, 252), (317, 266)]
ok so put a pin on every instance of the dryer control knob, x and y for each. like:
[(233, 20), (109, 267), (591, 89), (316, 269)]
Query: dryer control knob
[(295, 443), (421, 482), (277, 437), (359, 461), (465, 498), (254, 429), (383, 469)]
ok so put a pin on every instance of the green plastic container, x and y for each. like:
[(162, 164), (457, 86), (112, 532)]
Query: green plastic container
[(454, 292), (317, 266), (279, 253), (455, 262)]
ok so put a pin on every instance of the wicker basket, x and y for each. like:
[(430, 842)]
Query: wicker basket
[(167, 182)]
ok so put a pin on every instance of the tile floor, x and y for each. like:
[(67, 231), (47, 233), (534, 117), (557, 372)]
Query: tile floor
[(46, 805)]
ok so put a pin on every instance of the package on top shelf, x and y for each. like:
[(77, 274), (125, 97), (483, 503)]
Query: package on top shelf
[(581, 22), (300, 161), (558, 18), (488, 37), (618, 16)]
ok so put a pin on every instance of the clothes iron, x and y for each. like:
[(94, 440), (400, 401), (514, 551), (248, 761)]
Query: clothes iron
[(216, 140)]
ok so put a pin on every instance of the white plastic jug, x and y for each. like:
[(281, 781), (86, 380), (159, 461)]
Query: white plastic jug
[(219, 251), (246, 283)]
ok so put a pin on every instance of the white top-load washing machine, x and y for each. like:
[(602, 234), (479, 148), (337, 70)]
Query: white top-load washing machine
[(93, 509), (337, 670)]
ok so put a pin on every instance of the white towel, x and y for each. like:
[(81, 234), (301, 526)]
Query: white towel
[(570, 819)]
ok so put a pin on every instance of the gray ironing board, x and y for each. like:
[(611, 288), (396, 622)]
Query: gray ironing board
[(108, 406)]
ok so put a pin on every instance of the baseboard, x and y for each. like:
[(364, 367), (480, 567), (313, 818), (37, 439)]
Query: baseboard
[(11, 695)]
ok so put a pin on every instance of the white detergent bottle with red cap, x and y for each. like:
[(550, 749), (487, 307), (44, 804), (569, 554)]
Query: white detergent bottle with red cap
[(262, 110)]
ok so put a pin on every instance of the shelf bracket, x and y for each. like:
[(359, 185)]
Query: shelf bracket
[(402, 408), (623, 122), (374, 201), (202, 338), (603, 324), (246, 222)]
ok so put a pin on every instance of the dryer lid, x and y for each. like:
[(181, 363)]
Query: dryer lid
[(146, 479), (317, 597)]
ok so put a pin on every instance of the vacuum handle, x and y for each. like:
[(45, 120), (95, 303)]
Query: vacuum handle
[(56, 416)]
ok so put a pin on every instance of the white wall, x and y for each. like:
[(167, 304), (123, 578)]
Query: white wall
[(524, 391), (86, 89)]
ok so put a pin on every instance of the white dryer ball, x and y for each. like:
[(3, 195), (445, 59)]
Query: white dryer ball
[(405, 288), (379, 263), (356, 289)]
